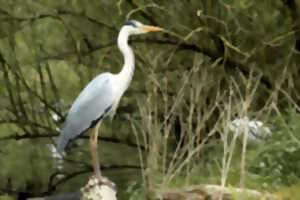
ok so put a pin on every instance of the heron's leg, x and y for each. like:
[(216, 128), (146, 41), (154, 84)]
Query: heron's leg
[(95, 158), (94, 151)]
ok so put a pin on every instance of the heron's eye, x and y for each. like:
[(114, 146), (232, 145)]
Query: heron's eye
[(131, 23)]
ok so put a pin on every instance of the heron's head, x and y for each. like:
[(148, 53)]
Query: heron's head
[(134, 27)]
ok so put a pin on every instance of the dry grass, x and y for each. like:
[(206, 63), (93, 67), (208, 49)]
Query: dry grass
[(166, 158), (169, 156)]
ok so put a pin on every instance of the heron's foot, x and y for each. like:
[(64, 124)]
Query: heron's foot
[(105, 181)]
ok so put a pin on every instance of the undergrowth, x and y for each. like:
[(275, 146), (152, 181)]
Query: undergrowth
[(188, 140)]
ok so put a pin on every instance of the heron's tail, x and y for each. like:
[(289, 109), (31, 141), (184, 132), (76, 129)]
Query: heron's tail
[(63, 141)]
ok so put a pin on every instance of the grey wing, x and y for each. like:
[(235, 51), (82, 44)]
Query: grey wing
[(92, 104)]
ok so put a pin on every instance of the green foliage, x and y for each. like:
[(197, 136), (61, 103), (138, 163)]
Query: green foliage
[(135, 191), (210, 51), (22, 161), (278, 162)]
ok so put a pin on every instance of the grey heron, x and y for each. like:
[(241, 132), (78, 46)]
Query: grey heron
[(101, 96)]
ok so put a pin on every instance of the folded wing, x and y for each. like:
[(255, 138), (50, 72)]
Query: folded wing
[(90, 107)]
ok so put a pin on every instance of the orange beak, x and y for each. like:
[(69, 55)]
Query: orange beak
[(151, 28)]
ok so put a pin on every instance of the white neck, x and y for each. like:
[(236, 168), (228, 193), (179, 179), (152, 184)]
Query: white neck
[(126, 73)]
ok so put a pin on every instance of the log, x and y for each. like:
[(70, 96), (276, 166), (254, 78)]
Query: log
[(212, 192)]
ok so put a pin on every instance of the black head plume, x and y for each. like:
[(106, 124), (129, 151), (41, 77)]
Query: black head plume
[(131, 23)]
